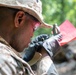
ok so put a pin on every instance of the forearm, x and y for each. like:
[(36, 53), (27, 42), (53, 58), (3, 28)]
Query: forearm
[(46, 67)]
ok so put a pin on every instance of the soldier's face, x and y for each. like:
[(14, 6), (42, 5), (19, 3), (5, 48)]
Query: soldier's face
[(23, 34)]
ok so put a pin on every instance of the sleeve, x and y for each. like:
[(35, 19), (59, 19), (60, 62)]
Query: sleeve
[(7, 65), (46, 67)]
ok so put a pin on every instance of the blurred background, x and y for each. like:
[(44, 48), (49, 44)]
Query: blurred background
[(57, 11)]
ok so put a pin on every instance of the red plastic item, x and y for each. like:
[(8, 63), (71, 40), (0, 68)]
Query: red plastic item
[(68, 32)]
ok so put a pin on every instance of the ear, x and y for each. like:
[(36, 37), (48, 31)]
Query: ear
[(19, 18)]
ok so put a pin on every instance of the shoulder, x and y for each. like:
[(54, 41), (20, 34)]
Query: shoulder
[(4, 53), (7, 63), (10, 63)]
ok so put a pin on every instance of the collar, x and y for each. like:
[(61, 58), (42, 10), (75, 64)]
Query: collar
[(12, 49)]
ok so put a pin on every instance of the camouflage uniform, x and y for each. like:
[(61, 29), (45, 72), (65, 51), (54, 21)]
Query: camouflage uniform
[(45, 66), (10, 61)]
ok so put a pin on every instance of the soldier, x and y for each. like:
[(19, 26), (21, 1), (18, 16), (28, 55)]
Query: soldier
[(18, 20)]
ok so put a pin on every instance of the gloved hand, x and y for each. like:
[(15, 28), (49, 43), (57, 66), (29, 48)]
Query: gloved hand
[(34, 46), (52, 45)]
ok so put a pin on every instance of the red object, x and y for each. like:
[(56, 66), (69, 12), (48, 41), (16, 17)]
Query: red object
[(68, 32)]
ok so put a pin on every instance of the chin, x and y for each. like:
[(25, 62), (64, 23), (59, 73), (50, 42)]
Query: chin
[(20, 51), (25, 47)]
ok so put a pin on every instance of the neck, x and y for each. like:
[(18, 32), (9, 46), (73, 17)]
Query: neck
[(5, 33)]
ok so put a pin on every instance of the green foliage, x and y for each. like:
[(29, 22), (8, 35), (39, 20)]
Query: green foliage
[(57, 11)]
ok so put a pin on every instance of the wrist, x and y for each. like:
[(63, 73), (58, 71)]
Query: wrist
[(43, 52)]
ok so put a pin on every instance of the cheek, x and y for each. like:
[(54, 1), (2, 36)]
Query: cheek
[(30, 31), (27, 35)]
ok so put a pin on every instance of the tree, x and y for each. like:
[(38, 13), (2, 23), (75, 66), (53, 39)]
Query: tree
[(57, 11)]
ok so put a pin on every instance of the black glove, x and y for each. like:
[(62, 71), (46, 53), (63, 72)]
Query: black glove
[(40, 38), (29, 53), (34, 46), (52, 45)]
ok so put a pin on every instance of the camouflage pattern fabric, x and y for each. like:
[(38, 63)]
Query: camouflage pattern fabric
[(45, 66), (10, 61)]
